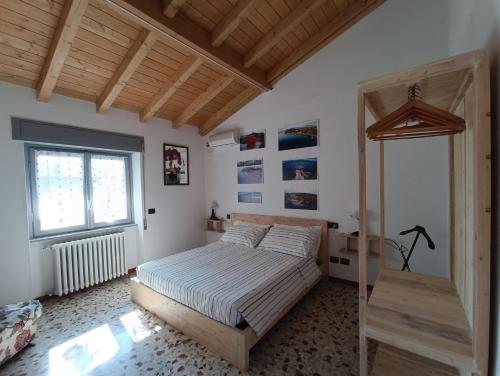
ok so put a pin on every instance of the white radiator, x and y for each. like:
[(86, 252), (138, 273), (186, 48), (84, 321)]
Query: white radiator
[(87, 262)]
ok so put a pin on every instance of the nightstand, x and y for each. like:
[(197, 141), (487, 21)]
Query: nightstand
[(215, 225), (213, 230), (352, 244)]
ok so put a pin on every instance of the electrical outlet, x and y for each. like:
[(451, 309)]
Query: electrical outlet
[(333, 225), (334, 259), (345, 261)]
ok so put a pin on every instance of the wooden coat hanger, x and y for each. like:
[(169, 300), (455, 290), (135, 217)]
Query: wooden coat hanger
[(415, 119)]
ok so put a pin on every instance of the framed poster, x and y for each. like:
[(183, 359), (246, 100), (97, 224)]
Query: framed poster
[(301, 200), (300, 169), (299, 135), (251, 171), (253, 140), (250, 197), (175, 165)]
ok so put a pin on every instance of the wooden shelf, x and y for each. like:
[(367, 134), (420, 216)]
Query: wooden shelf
[(352, 245), (390, 361), (215, 225), (355, 252), (421, 314)]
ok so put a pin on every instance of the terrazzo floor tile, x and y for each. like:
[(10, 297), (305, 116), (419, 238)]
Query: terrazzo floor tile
[(101, 332)]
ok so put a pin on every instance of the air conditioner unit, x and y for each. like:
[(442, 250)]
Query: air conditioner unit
[(224, 139)]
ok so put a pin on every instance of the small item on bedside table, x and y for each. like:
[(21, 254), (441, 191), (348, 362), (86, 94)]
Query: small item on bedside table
[(214, 206), (355, 217)]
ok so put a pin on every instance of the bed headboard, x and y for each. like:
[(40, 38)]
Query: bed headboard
[(324, 255)]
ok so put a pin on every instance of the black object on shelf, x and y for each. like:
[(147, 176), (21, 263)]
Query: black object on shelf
[(333, 225), (419, 230)]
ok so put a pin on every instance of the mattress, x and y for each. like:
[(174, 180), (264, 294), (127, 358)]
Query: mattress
[(232, 283)]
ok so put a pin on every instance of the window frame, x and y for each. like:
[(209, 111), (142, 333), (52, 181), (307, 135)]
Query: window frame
[(90, 224)]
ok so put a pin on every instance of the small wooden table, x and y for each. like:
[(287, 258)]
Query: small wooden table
[(215, 225)]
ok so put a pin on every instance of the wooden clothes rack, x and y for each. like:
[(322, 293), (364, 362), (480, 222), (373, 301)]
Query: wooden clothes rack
[(444, 328)]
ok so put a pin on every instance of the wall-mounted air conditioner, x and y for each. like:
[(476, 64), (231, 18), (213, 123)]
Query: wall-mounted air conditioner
[(224, 139)]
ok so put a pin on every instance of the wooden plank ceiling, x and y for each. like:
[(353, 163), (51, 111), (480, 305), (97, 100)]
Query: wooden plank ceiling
[(190, 61)]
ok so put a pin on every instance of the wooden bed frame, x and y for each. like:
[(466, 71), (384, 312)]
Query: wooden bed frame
[(230, 343)]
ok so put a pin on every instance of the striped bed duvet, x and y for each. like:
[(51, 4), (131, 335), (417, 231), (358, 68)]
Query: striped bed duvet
[(231, 283)]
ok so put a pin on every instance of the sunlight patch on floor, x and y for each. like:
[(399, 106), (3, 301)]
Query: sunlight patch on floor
[(82, 354), (133, 324)]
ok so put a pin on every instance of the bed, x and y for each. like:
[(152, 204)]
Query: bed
[(227, 296)]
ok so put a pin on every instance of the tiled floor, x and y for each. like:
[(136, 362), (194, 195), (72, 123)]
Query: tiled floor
[(101, 332)]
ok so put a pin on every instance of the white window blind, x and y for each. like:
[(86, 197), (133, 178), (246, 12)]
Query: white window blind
[(109, 188), (59, 180), (75, 190)]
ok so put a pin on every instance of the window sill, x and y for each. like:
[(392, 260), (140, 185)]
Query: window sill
[(78, 234)]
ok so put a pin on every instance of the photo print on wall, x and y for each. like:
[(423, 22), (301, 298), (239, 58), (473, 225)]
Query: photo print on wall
[(253, 140), (251, 171), (301, 200), (300, 169), (299, 135), (175, 165), (250, 197)]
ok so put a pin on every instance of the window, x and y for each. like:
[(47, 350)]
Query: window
[(75, 190)]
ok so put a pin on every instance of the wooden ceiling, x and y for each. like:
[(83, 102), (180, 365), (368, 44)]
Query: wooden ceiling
[(190, 61)]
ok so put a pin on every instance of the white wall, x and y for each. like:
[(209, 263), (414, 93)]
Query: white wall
[(25, 269), (399, 34), (417, 192), (477, 25)]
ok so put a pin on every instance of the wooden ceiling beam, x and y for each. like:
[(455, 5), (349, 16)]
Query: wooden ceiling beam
[(347, 18), (286, 25), (132, 60), (191, 64), (231, 107), (215, 88), (171, 7), (61, 44), (231, 21), (190, 37)]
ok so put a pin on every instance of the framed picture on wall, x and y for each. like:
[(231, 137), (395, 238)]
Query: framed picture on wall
[(301, 200), (251, 171), (299, 135), (253, 140), (250, 197), (175, 164), (300, 169)]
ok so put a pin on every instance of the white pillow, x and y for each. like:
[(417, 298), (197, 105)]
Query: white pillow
[(244, 223), (245, 235), (316, 230), (301, 243)]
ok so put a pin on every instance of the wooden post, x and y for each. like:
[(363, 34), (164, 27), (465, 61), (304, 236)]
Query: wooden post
[(381, 257), (482, 211), (451, 176), (362, 253)]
